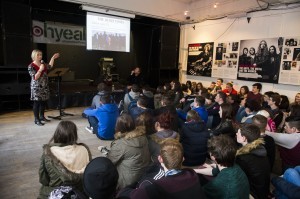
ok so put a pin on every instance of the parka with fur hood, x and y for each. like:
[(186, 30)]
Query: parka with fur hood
[(130, 153), (62, 165), (253, 160)]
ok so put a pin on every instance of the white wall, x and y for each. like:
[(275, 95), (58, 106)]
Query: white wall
[(265, 24)]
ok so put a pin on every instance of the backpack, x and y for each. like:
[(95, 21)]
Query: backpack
[(132, 104)]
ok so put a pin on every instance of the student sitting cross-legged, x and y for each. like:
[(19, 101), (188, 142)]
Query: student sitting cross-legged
[(103, 119), (177, 183)]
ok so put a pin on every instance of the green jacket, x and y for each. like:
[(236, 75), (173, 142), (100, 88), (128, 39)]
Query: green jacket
[(130, 153), (230, 183), (54, 171)]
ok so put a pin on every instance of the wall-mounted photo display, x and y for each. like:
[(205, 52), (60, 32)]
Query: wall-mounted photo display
[(259, 59), (225, 60), (290, 63), (200, 56)]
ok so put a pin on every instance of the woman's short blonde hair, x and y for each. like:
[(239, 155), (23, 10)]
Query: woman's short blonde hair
[(34, 53)]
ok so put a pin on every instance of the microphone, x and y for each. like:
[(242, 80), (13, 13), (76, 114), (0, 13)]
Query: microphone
[(42, 62)]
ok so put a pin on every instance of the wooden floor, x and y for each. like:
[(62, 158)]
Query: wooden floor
[(21, 144)]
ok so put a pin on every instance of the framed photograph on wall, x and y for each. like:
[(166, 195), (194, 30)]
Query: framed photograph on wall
[(200, 56)]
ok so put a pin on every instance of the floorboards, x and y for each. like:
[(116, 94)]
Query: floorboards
[(21, 144)]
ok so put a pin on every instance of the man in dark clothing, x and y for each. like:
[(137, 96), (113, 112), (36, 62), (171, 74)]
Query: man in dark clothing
[(177, 184), (135, 77)]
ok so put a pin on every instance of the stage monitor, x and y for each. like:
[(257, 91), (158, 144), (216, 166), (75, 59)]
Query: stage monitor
[(108, 33)]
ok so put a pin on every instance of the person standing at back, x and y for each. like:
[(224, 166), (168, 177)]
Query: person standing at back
[(40, 91)]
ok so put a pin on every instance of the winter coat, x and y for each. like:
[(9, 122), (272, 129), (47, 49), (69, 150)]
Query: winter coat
[(106, 115), (130, 153), (193, 138), (62, 165), (253, 160), (156, 139), (225, 128)]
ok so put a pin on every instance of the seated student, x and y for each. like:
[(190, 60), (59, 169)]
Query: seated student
[(100, 178), (167, 106), (252, 158), (274, 103), (231, 181), (289, 142), (261, 122), (63, 160), (229, 90), (157, 97), (288, 186), (129, 151), (102, 90), (142, 103), (248, 109), (130, 97), (146, 91), (103, 119), (198, 106), (226, 124), (163, 132), (193, 137), (235, 104), (177, 184), (271, 127)]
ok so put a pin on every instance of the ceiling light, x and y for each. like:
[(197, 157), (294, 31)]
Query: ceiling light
[(186, 12), (216, 5)]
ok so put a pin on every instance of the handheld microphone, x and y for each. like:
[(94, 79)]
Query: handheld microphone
[(42, 61)]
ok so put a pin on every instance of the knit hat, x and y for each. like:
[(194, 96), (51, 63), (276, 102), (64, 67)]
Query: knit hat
[(100, 178)]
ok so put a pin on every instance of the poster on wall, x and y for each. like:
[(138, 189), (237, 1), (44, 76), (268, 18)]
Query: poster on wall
[(259, 59), (200, 56), (226, 60), (290, 62)]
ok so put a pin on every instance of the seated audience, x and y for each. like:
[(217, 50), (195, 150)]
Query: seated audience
[(129, 151), (252, 158), (176, 88), (213, 111), (142, 103), (226, 125), (218, 86), (131, 97), (288, 186), (146, 120), (266, 99), (284, 105), (193, 137), (269, 144), (102, 90), (103, 119), (146, 91), (167, 105), (271, 127), (297, 99), (100, 178), (233, 100), (198, 106), (294, 110), (247, 111), (163, 132), (178, 183), (274, 103), (157, 97), (255, 93), (231, 181), (63, 160), (244, 90), (289, 142), (229, 90)]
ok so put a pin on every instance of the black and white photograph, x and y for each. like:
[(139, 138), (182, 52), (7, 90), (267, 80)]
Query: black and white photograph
[(225, 64), (259, 60), (200, 57)]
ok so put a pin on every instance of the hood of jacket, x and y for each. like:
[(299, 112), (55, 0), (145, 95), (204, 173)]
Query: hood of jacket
[(256, 147), (128, 138), (148, 94), (195, 126), (160, 136), (134, 95), (69, 159)]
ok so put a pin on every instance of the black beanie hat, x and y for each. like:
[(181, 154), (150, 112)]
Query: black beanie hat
[(100, 178)]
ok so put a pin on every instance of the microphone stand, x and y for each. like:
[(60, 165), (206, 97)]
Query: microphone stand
[(61, 112)]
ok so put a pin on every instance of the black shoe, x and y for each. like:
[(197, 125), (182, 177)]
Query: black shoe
[(44, 119), (38, 122)]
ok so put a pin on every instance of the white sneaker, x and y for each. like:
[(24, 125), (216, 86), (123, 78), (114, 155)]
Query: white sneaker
[(103, 150), (89, 129)]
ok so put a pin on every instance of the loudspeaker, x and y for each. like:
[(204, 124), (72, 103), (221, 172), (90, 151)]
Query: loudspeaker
[(17, 50), (169, 42), (16, 18)]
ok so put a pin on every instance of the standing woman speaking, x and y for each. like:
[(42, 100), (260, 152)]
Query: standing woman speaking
[(38, 71)]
